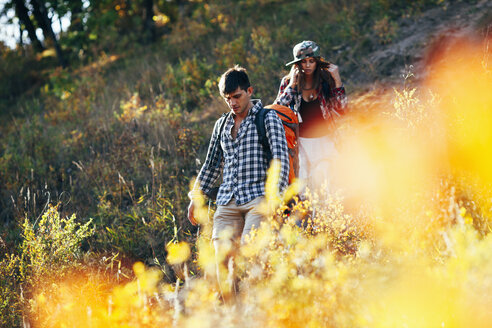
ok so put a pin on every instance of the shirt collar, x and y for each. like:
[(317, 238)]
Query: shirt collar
[(253, 110), (256, 107)]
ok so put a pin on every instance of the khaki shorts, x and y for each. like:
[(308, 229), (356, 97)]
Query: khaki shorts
[(240, 219)]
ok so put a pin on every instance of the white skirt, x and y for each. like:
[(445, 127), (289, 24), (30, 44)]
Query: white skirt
[(316, 156)]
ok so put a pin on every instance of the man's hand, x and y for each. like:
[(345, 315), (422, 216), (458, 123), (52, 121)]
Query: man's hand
[(191, 213)]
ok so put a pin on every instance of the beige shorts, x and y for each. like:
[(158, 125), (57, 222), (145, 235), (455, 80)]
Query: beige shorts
[(240, 219)]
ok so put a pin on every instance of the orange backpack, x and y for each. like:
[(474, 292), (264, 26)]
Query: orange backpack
[(291, 127)]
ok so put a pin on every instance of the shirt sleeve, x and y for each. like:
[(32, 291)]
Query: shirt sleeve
[(285, 94), (210, 171), (339, 101), (278, 146)]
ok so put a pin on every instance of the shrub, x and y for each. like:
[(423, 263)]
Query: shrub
[(52, 242), (51, 246)]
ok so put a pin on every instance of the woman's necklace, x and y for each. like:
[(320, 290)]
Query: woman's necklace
[(310, 96)]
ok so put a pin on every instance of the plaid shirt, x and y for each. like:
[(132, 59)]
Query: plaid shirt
[(331, 108), (243, 160)]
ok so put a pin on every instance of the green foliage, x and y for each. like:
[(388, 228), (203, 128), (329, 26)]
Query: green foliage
[(50, 247), (52, 242), (10, 300), (17, 77), (385, 30), (190, 81)]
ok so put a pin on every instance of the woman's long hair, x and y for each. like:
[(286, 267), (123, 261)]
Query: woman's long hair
[(320, 75)]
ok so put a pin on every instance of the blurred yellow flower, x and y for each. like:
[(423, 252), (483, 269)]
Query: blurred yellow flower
[(178, 253)]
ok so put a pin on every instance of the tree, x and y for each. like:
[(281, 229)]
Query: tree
[(109, 24), (76, 8), (22, 13), (41, 14), (149, 24)]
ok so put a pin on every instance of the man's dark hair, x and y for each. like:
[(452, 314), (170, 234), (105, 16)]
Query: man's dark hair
[(232, 79)]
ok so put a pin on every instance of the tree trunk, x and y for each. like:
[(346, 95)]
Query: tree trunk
[(181, 9), (76, 9), (45, 21), (149, 24), (23, 15)]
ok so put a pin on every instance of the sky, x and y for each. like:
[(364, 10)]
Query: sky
[(9, 33)]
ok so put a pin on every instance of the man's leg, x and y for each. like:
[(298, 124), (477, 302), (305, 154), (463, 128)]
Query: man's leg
[(227, 227), (253, 217)]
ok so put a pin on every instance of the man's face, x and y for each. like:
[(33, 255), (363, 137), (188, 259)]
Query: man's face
[(238, 100)]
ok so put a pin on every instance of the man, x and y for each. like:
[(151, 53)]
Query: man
[(243, 160)]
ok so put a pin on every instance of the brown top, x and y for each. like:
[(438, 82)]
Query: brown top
[(313, 125)]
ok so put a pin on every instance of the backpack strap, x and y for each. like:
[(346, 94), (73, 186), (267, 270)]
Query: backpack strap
[(224, 117), (260, 127)]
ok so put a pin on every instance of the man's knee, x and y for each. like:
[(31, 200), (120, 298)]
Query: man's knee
[(254, 217), (224, 246), (228, 222)]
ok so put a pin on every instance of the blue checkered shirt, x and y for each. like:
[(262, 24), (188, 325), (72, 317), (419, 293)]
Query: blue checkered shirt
[(244, 162)]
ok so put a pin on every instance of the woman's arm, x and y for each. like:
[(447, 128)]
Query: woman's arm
[(338, 100), (278, 146), (286, 93), (335, 74)]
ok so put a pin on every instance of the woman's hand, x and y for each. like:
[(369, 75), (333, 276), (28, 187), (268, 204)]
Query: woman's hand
[(333, 69), (294, 73)]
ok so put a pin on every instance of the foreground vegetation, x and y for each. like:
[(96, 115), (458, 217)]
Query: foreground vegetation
[(95, 166)]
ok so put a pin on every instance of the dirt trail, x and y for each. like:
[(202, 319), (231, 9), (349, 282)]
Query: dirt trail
[(387, 64)]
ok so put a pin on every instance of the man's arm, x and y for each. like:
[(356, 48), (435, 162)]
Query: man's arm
[(278, 146), (209, 172)]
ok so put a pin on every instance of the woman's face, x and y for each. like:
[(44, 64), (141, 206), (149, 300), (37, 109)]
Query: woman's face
[(308, 65)]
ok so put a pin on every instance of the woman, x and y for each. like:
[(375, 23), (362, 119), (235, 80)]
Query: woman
[(314, 90)]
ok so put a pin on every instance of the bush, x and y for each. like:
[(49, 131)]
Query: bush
[(50, 247)]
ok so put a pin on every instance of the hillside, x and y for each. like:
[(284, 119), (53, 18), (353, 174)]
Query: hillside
[(412, 36)]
